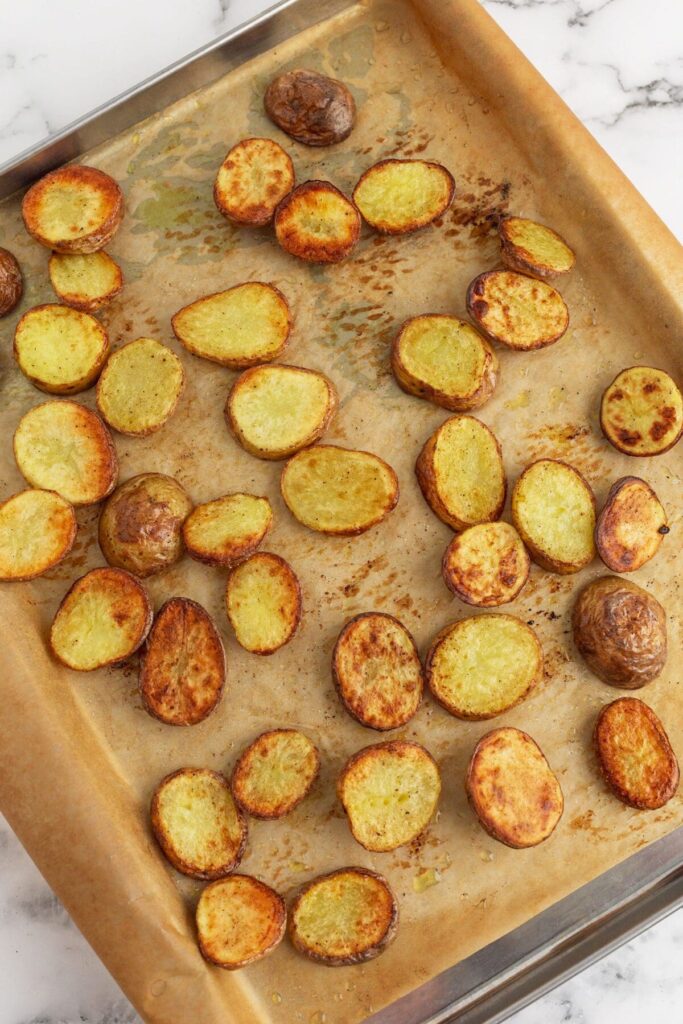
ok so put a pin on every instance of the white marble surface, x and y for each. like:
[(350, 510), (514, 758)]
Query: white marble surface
[(619, 65)]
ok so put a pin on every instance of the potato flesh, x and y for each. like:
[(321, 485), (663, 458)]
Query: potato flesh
[(280, 407), (275, 773), (88, 276), (222, 528), (445, 353), (102, 620), (403, 194), (322, 216), (469, 471), (263, 605), (200, 821), (60, 347), (255, 175), (239, 920), (642, 411), (139, 387), (70, 211), (553, 508), (521, 311), (249, 323), (635, 754), (629, 527), (487, 564), (343, 915), (540, 245), (37, 529)]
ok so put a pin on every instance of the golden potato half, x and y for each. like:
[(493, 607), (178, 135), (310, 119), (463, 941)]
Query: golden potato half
[(533, 248), (389, 792), (263, 602), (317, 223), (338, 490), (60, 350), (239, 920), (11, 282), (85, 281), (377, 671), (553, 509), (274, 774), (240, 327), (398, 196), (642, 412), (62, 446), (635, 754), (255, 175), (518, 311), (310, 107), (227, 529), (103, 618), (37, 530), (197, 824), (486, 565), (73, 209), (631, 526), (140, 387)]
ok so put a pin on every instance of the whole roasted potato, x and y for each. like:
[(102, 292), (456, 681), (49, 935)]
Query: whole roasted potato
[(11, 282), (620, 630), (310, 107)]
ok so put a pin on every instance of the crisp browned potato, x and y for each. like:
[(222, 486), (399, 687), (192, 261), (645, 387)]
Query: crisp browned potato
[(631, 526), (263, 602), (512, 788), (85, 281), (182, 671), (635, 755), (255, 175), (239, 920), (228, 529), (310, 107), (620, 630), (140, 526), (140, 386), (486, 565), (73, 209), (533, 248), (377, 671), (345, 917), (11, 282), (399, 196), (60, 350), (275, 773), (642, 411), (317, 223), (37, 530), (518, 311)]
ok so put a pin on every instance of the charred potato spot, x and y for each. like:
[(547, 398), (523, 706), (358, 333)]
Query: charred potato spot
[(398, 196), (518, 311), (635, 754), (225, 530), (140, 525), (11, 282), (85, 281), (255, 175), (310, 107), (317, 223), (37, 530), (631, 526), (263, 602), (140, 387), (642, 411), (533, 248), (73, 209), (275, 773), (239, 920), (486, 565), (59, 349)]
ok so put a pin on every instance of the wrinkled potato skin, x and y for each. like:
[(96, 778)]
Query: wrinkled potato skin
[(310, 107), (11, 282)]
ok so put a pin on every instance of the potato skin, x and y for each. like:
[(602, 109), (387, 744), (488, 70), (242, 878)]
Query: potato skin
[(75, 176), (619, 731), (313, 250), (617, 556), (311, 108), (11, 282)]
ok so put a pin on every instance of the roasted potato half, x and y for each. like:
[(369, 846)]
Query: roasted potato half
[(486, 565), (631, 526), (533, 248), (228, 529), (516, 310), (255, 175), (60, 350), (317, 223), (635, 754), (239, 920), (263, 602), (73, 209), (642, 412), (86, 281), (37, 530), (275, 773), (398, 196), (310, 107), (11, 282), (140, 386)]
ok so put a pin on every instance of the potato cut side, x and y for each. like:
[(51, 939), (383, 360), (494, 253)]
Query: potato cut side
[(239, 920), (85, 281), (398, 196), (11, 282), (631, 526), (482, 666), (197, 824), (227, 529), (312, 108), (73, 209), (140, 525), (103, 619), (553, 509), (486, 565), (255, 175), (518, 311), (533, 248), (461, 475), (389, 792), (635, 754), (338, 490), (344, 917), (642, 411), (59, 349), (274, 774), (140, 387), (263, 602), (62, 446), (317, 223), (377, 671), (37, 530), (183, 666)]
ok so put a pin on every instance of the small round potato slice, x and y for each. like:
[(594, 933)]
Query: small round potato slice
[(103, 618), (37, 530), (398, 196), (533, 248), (486, 565), (635, 754), (239, 920), (197, 824), (182, 671), (11, 282), (227, 529), (516, 310), (240, 327), (553, 509), (255, 175), (460, 473), (345, 917), (377, 671), (274, 774), (73, 209), (631, 526), (60, 350), (338, 490), (389, 792), (263, 602), (62, 446), (642, 412), (312, 108), (317, 223), (86, 281), (512, 789), (140, 387), (275, 411), (482, 666)]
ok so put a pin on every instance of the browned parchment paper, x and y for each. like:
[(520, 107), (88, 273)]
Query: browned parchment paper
[(79, 755)]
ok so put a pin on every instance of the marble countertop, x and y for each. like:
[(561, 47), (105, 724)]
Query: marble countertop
[(618, 64)]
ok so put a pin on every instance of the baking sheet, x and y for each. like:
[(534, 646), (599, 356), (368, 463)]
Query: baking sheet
[(425, 83)]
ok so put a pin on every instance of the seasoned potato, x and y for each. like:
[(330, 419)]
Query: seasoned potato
[(518, 311), (240, 327), (274, 411), (512, 788), (73, 209), (460, 473), (182, 671), (11, 282), (553, 509), (85, 281), (620, 630), (140, 387), (274, 774), (486, 565), (345, 917), (255, 175), (103, 618), (389, 792), (62, 446), (239, 920), (337, 490), (140, 526), (533, 248), (317, 223), (263, 602), (482, 666), (631, 526), (377, 671), (228, 529), (310, 107), (197, 824), (59, 349), (37, 530), (635, 755), (398, 196), (642, 411)]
